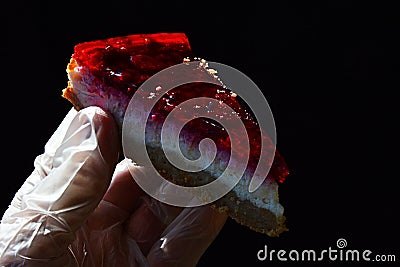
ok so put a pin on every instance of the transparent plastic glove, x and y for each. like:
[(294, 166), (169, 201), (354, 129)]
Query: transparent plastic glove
[(68, 181), (68, 214)]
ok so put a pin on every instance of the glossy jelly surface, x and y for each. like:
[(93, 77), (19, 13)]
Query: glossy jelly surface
[(124, 63)]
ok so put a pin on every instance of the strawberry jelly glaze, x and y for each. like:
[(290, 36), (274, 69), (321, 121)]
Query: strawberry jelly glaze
[(124, 63)]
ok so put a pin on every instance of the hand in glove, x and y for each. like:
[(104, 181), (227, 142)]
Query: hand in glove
[(80, 208)]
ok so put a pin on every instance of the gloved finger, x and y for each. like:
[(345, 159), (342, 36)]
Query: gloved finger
[(144, 227), (149, 217), (106, 227), (165, 213), (88, 154), (141, 225), (147, 223), (186, 239), (123, 192), (69, 180), (102, 240)]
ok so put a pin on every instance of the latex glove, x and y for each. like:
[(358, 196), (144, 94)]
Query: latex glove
[(68, 214)]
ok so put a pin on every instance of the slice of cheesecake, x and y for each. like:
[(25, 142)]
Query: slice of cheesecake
[(107, 73)]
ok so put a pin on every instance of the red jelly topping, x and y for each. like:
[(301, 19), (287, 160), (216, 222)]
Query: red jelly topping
[(124, 63), (207, 127)]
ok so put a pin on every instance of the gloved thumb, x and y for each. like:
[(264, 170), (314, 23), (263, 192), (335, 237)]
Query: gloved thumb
[(69, 180)]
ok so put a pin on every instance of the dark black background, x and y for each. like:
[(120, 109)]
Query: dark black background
[(329, 70)]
